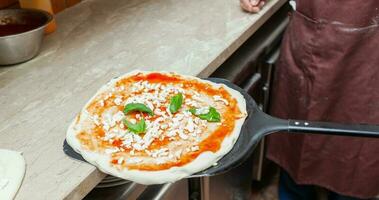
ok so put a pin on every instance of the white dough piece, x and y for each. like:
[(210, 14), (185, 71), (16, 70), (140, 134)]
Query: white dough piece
[(12, 170)]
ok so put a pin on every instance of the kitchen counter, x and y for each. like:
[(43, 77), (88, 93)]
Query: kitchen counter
[(95, 41)]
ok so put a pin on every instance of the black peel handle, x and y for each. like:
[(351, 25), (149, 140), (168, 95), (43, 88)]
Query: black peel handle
[(358, 130)]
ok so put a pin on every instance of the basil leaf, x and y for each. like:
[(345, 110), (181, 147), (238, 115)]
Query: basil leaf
[(211, 116), (137, 128), (193, 111), (137, 107), (176, 103)]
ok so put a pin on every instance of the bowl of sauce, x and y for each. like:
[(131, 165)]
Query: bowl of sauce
[(21, 34)]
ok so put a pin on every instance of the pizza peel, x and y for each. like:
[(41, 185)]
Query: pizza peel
[(259, 124)]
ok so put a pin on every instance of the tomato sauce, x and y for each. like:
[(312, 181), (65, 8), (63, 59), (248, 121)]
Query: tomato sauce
[(156, 144), (156, 78), (117, 143)]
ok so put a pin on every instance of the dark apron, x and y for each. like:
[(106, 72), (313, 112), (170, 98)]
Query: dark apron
[(329, 71)]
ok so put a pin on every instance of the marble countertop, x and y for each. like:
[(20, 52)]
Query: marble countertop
[(95, 41)]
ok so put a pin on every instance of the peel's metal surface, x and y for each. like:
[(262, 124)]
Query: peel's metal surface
[(68, 150)]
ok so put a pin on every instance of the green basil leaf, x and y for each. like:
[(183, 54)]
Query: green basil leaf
[(192, 110), (137, 107), (176, 103), (211, 116), (137, 128)]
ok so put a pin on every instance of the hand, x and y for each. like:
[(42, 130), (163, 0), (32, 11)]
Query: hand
[(252, 6)]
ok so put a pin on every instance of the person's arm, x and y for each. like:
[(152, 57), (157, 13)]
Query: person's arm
[(252, 6)]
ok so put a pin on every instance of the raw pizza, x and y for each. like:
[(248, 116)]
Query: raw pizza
[(157, 127)]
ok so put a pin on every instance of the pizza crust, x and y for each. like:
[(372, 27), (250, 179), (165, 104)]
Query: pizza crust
[(203, 161)]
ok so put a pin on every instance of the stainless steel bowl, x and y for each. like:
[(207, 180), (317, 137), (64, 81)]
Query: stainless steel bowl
[(21, 34)]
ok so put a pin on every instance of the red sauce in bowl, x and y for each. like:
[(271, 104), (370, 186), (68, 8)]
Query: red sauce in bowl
[(12, 29)]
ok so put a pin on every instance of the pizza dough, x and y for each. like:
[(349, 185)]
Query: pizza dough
[(12, 170), (174, 145)]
